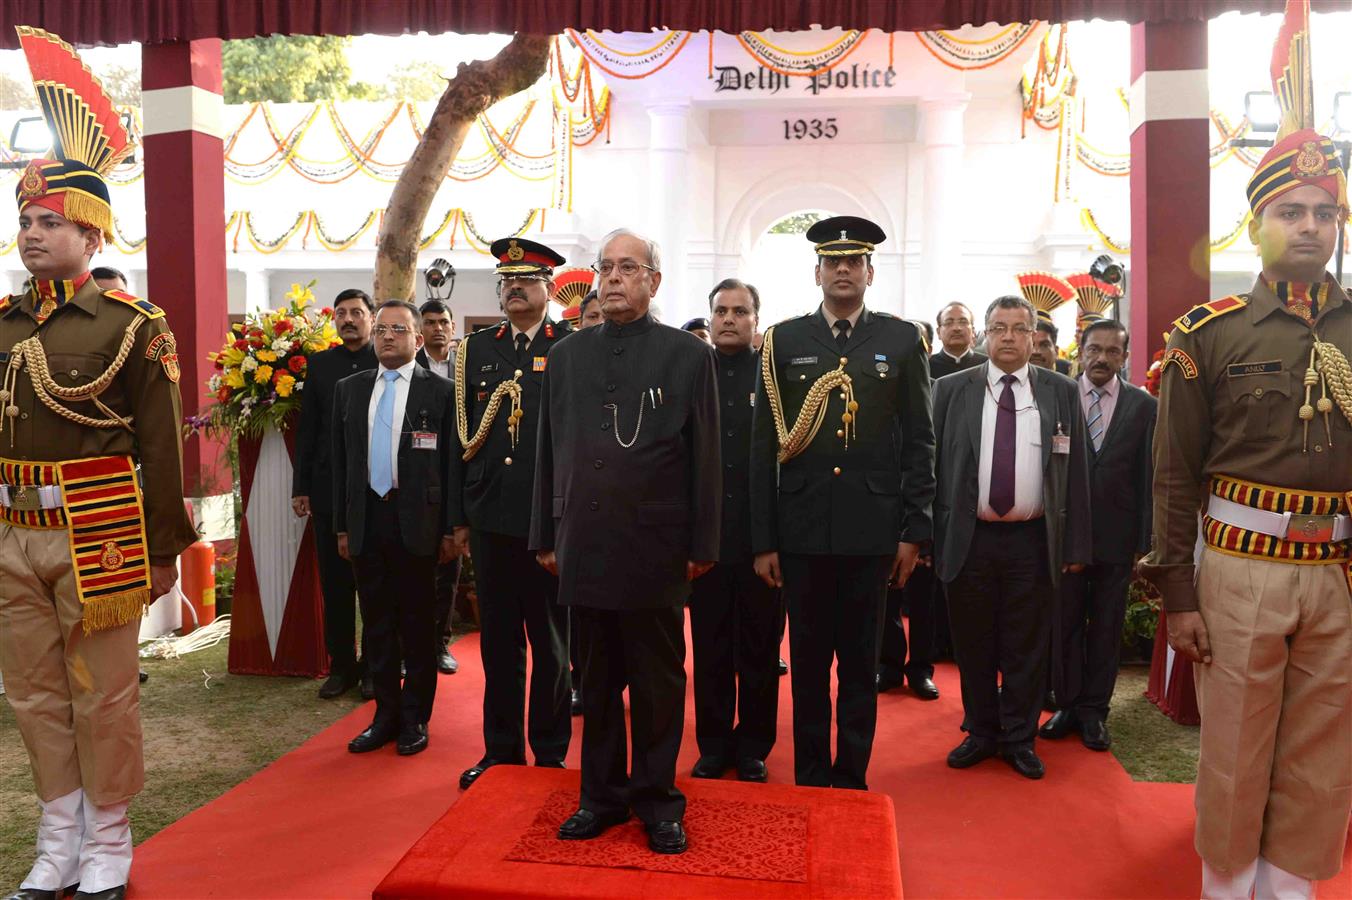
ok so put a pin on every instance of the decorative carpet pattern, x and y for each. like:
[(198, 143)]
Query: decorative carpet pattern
[(728, 839), (323, 823)]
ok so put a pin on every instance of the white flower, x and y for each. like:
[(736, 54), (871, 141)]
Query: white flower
[(214, 383), (248, 364), (282, 345)]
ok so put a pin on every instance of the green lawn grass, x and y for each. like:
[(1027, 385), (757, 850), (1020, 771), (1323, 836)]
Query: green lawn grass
[(207, 730)]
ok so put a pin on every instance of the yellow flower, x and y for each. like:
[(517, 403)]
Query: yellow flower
[(232, 357), (234, 378), (266, 356), (284, 385), (315, 346), (263, 374), (300, 294)]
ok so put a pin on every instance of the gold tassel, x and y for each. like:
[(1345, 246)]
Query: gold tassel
[(89, 210), (115, 610)]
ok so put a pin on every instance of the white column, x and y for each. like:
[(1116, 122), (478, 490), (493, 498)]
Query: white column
[(941, 135), (257, 284), (668, 154)]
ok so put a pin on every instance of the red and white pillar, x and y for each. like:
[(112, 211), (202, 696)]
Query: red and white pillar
[(1170, 180), (183, 110)]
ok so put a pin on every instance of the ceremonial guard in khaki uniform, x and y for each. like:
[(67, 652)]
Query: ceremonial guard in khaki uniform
[(497, 391), (90, 395), (842, 482), (1255, 429)]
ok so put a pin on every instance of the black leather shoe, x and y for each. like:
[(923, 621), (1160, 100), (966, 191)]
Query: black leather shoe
[(751, 769), (1025, 762), (471, 775), (368, 687), (373, 738), (575, 702), (710, 767), (666, 837), (886, 681), (447, 664), (36, 894), (337, 684), (924, 688), (783, 667), (142, 675), (550, 764), (1062, 723), (112, 893), (584, 825), (970, 752), (1094, 734), (412, 739)]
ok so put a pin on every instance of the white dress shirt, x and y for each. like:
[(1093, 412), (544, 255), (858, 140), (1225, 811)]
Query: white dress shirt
[(1028, 448), (957, 359), (445, 368), (529, 333), (852, 318), (400, 402)]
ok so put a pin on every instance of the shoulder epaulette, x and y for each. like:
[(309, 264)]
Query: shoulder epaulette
[(1214, 309), (7, 301), (883, 313), (144, 307), (502, 329), (920, 334)]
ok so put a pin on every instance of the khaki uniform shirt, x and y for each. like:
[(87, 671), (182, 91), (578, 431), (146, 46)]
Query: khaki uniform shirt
[(82, 338), (1232, 408)]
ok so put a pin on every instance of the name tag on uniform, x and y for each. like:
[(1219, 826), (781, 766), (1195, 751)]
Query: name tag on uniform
[(538, 365), (488, 367), (752, 401), (803, 361), (1267, 367), (424, 440)]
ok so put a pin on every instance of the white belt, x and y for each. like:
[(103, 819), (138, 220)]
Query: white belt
[(47, 496), (1287, 526)]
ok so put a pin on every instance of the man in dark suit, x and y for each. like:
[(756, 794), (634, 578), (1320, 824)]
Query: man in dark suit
[(393, 434), (957, 339), (735, 617), (497, 392), (1045, 352), (1120, 422), (438, 329), (312, 483), (626, 513), (840, 509), (1011, 515)]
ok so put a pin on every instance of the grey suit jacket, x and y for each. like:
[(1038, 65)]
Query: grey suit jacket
[(958, 400)]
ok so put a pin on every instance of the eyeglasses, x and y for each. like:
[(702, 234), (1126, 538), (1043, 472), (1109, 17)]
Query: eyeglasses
[(628, 268), (1001, 330), (950, 323), (396, 330)]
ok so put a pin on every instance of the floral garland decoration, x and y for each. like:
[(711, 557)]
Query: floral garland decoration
[(796, 62), (260, 370), (967, 54), (625, 63), (1217, 245)]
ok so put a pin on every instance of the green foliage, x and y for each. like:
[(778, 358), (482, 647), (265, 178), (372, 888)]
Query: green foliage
[(416, 80), (1143, 614), (289, 69), (798, 223)]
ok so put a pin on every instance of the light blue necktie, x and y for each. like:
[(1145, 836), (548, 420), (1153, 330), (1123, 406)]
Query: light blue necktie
[(382, 468), (1095, 422)]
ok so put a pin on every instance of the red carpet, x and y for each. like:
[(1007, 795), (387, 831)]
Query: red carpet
[(322, 823), (745, 841)]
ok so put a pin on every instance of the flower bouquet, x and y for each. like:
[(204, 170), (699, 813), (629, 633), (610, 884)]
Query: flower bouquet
[(260, 371)]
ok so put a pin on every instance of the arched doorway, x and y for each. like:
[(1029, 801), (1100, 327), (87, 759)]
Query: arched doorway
[(780, 267)]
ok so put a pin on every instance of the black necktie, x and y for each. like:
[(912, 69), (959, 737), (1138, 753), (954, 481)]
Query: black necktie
[(842, 332), (522, 348)]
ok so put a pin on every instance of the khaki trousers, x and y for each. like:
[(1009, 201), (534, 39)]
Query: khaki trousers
[(1275, 774), (76, 697)]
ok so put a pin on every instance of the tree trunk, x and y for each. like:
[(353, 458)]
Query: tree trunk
[(475, 87)]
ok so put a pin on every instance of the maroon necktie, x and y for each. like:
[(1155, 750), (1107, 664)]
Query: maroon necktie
[(1004, 454)]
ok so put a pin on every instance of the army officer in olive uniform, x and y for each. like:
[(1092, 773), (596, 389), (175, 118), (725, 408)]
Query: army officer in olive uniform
[(497, 385), (842, 481)]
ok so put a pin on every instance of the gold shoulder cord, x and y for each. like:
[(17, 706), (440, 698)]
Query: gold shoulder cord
[(510, 388), (1329, 370), (31, 351), (813, 412)]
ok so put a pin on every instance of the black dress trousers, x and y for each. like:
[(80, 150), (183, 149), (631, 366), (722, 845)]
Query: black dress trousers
[(643, 649), (339, 586), (1093, 606), (835, 615), (448, 580), (1000, 606), (397, 591), (913, 658), (518, 600), (734, 632)]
